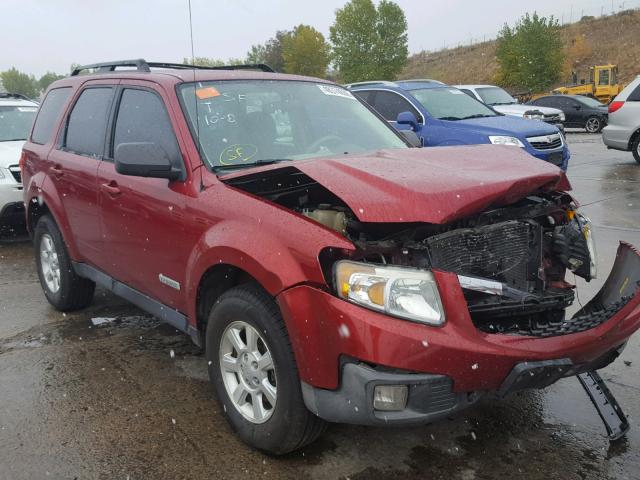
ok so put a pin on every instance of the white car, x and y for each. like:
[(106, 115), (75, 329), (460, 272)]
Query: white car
[(502, 102), (623, 129), (16, 117)]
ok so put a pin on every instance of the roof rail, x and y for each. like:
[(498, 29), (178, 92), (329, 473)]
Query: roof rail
[(371, 82), (15, 95), (422, 80), (142, 65)]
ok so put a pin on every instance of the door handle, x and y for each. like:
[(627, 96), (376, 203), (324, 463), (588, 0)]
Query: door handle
[(56, 170), (111, 188)]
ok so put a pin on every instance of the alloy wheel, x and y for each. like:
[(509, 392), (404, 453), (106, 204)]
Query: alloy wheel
[(248, 372), (49, 263), (593, 125)]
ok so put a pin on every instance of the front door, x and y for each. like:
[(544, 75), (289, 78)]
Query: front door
[(143, 224)]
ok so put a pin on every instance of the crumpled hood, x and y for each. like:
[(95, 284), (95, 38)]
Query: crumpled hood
[(10, 153), (520, 110), (433, 185)]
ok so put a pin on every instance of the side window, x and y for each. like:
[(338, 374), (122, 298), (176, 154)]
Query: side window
[(469, 92), (635, 95), (389, 105), (363, 95), (545, 102), (87, 123), (142, 117), (48, 114)]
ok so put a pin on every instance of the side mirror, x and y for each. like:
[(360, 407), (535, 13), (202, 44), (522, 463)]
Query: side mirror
[(407, 118), (144, 159), (412, 138)]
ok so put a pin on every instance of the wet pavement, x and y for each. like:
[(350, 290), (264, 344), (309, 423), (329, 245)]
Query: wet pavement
[(128, 398)]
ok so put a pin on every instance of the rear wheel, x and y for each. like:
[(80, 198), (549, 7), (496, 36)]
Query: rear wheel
[(254, 373), (64, 289), (635, 148), (594, 125)]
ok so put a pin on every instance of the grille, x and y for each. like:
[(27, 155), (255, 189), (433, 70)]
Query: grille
[(15, 171), (546, 142), (553, 324), (500, 251)]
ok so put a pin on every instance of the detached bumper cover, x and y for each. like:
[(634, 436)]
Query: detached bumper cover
[(323, 329)]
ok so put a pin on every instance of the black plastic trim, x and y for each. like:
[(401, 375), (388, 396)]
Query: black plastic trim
[(154, 307)]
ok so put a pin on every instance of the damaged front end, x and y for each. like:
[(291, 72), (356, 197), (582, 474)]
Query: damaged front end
[(511, 261)]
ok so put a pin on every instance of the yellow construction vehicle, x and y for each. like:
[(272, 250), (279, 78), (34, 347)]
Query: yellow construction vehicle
[(603, 84)]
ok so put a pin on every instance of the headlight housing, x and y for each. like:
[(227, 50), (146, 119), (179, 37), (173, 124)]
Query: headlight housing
[(562, 116), (401, 292), (534, 116), (504, 140)]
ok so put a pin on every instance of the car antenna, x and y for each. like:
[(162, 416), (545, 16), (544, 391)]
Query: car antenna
[(195, 95)]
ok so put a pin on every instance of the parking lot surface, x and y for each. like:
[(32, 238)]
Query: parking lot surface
[(110, 393)]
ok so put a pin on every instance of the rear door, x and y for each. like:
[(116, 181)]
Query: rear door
[(143, 219), (73, 166)]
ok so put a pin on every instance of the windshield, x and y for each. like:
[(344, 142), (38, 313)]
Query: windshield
[(590, 102), (495, 96), (243, 123), (15, 122), (449, 103)]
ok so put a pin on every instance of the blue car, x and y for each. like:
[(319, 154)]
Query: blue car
[(443, 115)]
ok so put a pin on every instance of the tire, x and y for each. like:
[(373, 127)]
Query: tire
[(594, 124), (64, 289), (635, 148), (286, 425)]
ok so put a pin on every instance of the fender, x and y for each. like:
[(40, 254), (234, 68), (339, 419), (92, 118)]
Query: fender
[(277, 264), (43, 191)]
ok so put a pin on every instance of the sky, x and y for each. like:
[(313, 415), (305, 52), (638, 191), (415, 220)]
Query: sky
[(49, 35)]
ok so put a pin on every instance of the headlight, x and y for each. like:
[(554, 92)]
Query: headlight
[(534, 116), (562, 116), (587, 230), (401, 292), (503, 140)]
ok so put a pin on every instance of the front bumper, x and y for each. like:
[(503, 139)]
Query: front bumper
[(324, 329), (11, 202), (559, 158)]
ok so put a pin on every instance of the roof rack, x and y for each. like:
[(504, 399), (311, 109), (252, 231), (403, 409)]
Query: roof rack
[(371, 82), (14, 95), (142, 65)]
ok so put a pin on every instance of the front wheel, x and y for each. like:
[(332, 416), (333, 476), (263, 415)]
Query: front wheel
[(594, 125), (635, 148), (254, 373)]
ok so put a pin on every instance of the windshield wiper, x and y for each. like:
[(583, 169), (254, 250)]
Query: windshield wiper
[(13, 140), (449, 118), (259, 163), (477, 116), (504, 103)]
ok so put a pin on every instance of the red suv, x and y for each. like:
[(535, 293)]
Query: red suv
[(331, 271)]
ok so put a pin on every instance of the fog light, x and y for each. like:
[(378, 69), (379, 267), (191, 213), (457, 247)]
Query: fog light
[(390, 397)]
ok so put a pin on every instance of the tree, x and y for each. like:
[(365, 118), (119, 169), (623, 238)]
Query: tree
[(369, 43), (212, 62), (47, 79), (15, 81), (271, 52), (305, 52), (530, 55), (391, 49)]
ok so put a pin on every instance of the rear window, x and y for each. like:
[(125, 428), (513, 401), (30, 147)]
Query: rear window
[(635, 95), (49, 112), (87, 124)]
